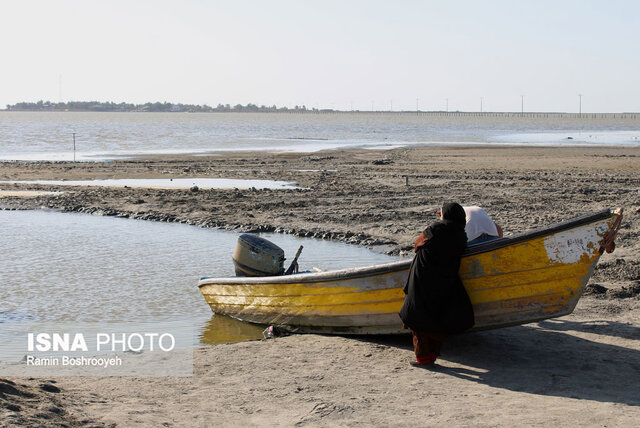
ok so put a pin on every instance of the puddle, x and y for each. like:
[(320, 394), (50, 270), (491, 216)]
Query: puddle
[(25, 193), (168, 183)]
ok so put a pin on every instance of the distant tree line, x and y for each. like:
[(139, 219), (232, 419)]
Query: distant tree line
[(147, 107)]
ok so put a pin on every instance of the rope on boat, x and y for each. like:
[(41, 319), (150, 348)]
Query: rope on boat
[(607, 243)]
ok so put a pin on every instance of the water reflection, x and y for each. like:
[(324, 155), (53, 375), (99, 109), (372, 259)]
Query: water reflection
[(222, 329), (9, 316)]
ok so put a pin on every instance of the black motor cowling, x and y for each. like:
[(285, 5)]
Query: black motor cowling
[(256, 256)]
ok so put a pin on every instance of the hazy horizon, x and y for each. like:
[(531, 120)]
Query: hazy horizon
[(495, 55), (281, 109)]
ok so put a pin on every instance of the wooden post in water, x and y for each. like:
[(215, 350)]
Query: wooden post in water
[(74, 146)]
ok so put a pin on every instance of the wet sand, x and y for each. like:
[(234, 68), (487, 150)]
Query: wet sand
[(581, 369)]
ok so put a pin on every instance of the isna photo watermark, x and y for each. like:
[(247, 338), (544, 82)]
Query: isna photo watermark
[(90, 349)]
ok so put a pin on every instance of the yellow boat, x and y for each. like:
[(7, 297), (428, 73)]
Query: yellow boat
[(512, 280)]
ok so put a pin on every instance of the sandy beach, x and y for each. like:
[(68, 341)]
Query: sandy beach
[(581, 370)]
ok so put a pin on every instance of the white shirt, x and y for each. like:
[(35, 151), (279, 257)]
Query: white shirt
[(478, 222)]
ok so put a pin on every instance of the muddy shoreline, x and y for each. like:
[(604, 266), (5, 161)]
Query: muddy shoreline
[(360, 196), (573, 370)]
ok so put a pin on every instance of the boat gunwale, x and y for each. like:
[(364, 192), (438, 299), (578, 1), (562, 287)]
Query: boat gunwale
[(365, 271)]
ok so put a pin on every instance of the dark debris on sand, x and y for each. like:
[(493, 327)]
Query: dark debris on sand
[(36, 403)]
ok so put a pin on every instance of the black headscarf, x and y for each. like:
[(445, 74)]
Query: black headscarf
[(453, 212)]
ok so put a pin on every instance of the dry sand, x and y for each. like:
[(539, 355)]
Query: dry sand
[(583, 369)]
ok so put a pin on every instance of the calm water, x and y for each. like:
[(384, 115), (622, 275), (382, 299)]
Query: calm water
[(76, 267), (48, 135), (169, 183)]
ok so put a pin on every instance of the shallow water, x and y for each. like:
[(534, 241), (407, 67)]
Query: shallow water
[(170, 183), (78, 267), (103, 136)]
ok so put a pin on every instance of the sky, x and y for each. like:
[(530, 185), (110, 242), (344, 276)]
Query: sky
[(535, 55)]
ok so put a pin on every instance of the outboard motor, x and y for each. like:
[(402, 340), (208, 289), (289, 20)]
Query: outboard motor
[(255, 256)]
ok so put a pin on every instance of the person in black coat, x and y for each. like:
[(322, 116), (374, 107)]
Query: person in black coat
[(436, 303)]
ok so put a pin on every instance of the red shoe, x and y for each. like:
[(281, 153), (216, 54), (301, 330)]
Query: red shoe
[(427, 360)]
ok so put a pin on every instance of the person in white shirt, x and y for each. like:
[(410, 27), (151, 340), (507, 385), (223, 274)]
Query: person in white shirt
[(480, 227)]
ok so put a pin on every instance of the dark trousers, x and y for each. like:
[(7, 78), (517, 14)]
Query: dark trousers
[(427, 345)]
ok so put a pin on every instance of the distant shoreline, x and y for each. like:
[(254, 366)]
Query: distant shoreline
[(554, 115), (157, 107)]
